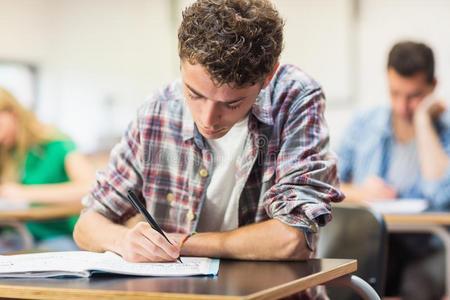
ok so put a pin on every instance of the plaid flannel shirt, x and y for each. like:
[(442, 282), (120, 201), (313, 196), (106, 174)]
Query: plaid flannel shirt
[(286, 170)]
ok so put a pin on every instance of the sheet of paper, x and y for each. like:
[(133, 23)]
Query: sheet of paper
[(400, 206), (8, 205), (77, 263), (111, 262)]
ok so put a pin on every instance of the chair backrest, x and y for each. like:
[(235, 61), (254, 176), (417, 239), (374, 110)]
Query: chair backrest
[(360, 233)]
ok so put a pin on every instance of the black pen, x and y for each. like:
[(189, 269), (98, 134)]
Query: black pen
[(140, 208)]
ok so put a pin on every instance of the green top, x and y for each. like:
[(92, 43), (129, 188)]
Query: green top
[(45, 163)]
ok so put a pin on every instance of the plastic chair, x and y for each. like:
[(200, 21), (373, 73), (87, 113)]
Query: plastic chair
[(360, 233)]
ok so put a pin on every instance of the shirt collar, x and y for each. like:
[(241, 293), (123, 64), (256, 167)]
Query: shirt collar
[(262, 108), (385, 124), (188, 122), (189, 128)]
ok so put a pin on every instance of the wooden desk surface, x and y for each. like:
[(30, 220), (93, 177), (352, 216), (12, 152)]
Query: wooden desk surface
[(236, 280), (44, 212), (422, 218)]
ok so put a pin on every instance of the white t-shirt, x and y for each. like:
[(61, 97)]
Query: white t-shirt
[(220, 209), (404, 167)]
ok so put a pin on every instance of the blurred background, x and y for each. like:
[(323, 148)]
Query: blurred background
[(86, 65)]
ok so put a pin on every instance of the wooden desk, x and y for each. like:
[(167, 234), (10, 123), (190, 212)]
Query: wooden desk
[(434, 223), (15, 218), (236, 280)]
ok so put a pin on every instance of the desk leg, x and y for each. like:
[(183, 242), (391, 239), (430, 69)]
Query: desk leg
[(437, 230), (358, 285), (23, 232)]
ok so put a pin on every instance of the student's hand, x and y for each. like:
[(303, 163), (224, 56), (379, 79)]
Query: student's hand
[(177, 237), (142, 243), (12, 191), (431, 107), (375, 188)]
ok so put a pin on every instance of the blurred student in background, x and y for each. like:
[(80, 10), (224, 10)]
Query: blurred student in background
[(39, 164), (402, 151)]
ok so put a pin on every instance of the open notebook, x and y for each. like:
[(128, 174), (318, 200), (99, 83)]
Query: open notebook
[(85, 263)]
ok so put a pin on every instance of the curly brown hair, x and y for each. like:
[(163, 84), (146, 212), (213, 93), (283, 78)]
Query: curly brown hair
[(237, 41)]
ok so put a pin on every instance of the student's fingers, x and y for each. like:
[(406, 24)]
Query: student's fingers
[(150, 252), (382, 188), (431, 105), (136, 253), (389, 190), (129, 249), (171, 238), (380, 183), (374, 183), (376, 189), (158, 241), (386, 193), (437, 109), (390, 193), (134, 256), (172, 250), (137, 247), (155, 250)]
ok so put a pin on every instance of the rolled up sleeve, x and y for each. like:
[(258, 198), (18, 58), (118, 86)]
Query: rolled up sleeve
[(108, 193), (306, 174)]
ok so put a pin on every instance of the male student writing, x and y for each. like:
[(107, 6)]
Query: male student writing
[(236, 150)]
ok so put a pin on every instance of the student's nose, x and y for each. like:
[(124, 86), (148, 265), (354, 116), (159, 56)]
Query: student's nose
[(403, 107), (210, 114)]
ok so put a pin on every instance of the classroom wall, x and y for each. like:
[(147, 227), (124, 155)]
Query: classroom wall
[(320, 37), (344, 44), (380, 24), (99, 60), (383, 22)]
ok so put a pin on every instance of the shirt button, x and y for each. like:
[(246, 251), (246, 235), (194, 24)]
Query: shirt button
[(313, 227), (204, 173), (170, 197), (191, 215)]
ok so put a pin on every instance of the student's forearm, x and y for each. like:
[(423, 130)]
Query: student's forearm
[(68, 192), (432, 157), (269, 240), (94, 232)]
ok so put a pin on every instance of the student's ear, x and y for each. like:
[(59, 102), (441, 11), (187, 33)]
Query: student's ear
[(434, 84), (270, 76)]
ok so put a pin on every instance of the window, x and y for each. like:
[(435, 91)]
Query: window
[(20, 79)]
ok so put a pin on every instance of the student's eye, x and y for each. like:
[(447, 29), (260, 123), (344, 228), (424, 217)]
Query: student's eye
[(193, 96), (233, 107)]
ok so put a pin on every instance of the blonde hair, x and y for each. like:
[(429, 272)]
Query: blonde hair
[(29, 132)]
